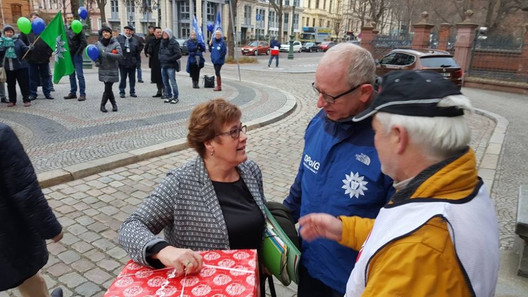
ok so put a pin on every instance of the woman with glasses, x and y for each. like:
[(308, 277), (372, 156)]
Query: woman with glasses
[(214, 202)]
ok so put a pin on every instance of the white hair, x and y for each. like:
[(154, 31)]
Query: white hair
[(362, 67), (440, 137)]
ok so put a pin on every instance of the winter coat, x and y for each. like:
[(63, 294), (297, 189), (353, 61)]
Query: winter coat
[(108, 61), (437, 237), (339, 174), (169, 53), (76, 42), (41, 52), (14, 63), (218, 51), (130, 53), (154, 63), (141, 45), (25, 216), (195, 50)]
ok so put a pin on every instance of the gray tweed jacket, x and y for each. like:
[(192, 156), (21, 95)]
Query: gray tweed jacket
[(185, 206)]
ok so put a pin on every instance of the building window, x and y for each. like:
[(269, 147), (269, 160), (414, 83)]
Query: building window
[(211, 12), (130, 7), (271, 19), (286, 2), (313, 22), (247, 15), (324, 4), (316, 3), (16, 11), (114, 9), (309, 3), (286, 19), (185, 30), (296, 21), (184, 12)]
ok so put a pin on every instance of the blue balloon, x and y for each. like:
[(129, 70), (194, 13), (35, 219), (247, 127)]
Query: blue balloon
[(92, 51), (38, 25), (210, 27), (83, 13)]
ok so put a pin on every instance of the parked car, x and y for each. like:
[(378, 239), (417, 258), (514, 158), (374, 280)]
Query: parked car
[(421, 59), (326, 45), (183, 46), (310, 47), (256, 48), (285, 47)]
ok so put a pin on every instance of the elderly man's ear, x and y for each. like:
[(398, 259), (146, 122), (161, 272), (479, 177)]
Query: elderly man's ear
[(399, 138)]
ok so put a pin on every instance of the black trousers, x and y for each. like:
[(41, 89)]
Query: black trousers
[(108, 89), (21, 76), (131, 73), (217, 68), (195, 72), (312, 287)]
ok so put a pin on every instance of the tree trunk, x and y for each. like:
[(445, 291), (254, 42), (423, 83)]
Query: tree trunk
[(101, 5), (231, 38), (75, 8)]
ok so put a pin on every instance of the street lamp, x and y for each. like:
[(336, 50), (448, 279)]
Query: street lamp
[(290, 53)]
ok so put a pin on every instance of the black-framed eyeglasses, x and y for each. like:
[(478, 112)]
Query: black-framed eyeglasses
[(331, 99), (235, 132)]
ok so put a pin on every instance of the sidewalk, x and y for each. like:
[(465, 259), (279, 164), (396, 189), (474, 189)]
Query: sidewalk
[(278, 108)]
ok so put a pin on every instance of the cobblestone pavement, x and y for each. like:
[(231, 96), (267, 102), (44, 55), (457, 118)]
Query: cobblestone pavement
[(92, 208)]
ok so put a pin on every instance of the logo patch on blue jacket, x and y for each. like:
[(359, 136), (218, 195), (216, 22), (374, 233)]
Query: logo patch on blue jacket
[(354, 185), (363, 159)]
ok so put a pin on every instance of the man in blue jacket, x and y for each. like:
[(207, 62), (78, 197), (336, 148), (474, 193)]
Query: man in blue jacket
[(340, 172), (274, 45)]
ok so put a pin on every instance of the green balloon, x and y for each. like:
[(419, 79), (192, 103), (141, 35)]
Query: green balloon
[(24, 25), (76, 27)]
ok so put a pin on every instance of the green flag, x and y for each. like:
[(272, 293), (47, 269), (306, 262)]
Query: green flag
[(55, 36)]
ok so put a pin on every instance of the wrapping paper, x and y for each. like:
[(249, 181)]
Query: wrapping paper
[(225, 273)]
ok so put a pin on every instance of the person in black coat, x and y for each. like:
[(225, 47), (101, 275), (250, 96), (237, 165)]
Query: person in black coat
[(77, 43), (196, 61), (26, 220), (154, 62), (38, 58), (128, 64)]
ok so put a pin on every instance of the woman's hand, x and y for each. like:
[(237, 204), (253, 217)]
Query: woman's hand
[(318, 225), (184, 261)]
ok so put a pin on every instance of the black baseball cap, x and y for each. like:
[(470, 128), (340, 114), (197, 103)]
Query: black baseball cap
[(413, 93)]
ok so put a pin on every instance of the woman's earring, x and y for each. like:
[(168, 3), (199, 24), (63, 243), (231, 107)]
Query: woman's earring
[(212, 153)]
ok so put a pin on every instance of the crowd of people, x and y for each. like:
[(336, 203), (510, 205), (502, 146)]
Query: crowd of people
[(26, 59), (387, 194)]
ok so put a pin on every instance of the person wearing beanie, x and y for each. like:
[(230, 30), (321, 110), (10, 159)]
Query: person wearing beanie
[(169, 58), (108, 62), (152, 50), (11, 51), (127, 65), (196, 60), (218, 51)]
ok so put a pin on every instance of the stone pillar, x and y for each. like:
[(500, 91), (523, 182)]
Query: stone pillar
[(367, 38), (443, 38), (523, 65), (422, 31), (464, 42)]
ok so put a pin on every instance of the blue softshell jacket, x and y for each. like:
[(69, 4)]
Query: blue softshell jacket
[(339, 174)]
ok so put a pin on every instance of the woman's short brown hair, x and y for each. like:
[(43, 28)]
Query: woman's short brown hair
[(207, 120)]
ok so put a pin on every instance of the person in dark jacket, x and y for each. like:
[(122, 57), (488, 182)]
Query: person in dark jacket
[(11, 52), (108, 62), (154, 62), (218, 51), (196, 61), (275, 45), (77, 43), (38, 59), (128, 65), (169, 58), (26, 221)]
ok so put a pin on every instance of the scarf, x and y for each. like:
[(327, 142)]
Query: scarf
[(105, 41), (9, 43)]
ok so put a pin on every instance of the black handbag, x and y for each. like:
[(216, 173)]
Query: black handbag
[(209, 81)]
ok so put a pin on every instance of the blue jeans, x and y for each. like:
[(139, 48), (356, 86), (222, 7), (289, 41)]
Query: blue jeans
[(39, 73), (168, 75), (139, 73), (131, 73), (78, 65), (276, 61)]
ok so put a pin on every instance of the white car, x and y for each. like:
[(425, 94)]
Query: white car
[(285, 47)]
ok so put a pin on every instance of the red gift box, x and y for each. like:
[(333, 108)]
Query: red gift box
[(225, 273)]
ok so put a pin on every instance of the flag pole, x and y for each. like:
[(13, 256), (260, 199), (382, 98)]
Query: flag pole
[(25, 54), (234, 38)]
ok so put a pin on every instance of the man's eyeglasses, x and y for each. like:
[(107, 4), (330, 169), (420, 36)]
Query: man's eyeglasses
[(331, 99), (235, 132)]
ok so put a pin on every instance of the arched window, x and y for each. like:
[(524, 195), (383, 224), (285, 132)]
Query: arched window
[(16, 11)]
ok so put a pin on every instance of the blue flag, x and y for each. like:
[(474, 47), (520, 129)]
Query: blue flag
[(198, 30), (218, 23)]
